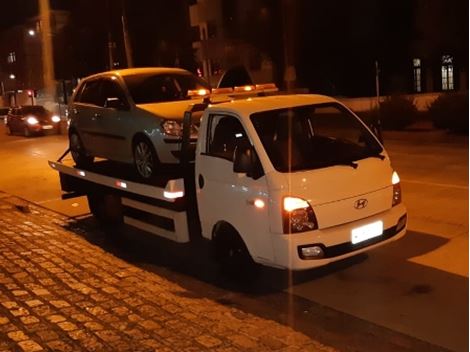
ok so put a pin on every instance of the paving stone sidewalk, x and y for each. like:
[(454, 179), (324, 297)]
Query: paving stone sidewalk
[(58, 292)]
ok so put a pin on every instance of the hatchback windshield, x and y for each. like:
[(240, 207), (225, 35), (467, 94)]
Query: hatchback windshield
[(33, 109), (154, 88), (314, 136)]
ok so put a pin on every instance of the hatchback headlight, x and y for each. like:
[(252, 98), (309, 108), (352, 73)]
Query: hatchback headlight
[(172, 128), (31, 120), (175, 128), (55, 118)]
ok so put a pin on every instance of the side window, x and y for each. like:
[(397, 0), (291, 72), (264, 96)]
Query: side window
[(110, 89), (91, 93), (225, 134)]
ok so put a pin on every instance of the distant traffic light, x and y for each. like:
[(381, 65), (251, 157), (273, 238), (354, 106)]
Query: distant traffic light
[(30, 93)]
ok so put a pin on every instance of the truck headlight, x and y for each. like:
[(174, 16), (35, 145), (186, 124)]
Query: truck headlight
[(298, 215), (396, 198), (31, 120)]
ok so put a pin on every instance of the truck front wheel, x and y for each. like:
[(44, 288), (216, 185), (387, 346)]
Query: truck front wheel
[(232, 255)]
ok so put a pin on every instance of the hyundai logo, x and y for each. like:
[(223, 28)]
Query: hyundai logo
[(360, 203)]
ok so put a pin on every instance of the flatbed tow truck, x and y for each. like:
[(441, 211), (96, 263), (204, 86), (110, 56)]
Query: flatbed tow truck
[(249, 206)]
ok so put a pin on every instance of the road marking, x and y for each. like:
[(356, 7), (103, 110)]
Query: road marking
[(436, 184)]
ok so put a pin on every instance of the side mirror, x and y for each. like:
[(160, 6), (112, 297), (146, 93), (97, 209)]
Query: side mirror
[(246, 161), (115, 103)]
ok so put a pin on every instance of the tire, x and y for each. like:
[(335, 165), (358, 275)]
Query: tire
[(79, 155), (107, 208), (26, 132), (145, 158), (232, 255)]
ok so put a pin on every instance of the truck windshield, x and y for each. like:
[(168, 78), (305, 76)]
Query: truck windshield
[(156, 88), (314, 136)]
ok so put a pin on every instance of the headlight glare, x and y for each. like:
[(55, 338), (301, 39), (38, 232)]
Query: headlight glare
[(31, 120)]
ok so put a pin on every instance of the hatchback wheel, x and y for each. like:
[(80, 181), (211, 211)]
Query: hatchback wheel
[(79, 155), (26, 132), (145, 159)]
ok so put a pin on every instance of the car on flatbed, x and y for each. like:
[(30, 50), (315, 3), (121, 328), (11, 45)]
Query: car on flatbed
[(287, 181), (132, 116)]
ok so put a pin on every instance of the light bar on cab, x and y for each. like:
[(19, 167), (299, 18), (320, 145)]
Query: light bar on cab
[(198, 92), (247, 88)]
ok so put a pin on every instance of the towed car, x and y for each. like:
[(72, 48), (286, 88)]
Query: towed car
[(31, 120), (132, 116)]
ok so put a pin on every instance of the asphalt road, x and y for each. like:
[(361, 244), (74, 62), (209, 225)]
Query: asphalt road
[(416, 287)]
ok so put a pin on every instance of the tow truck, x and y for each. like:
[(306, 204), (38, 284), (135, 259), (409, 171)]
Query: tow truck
[(270, 182)]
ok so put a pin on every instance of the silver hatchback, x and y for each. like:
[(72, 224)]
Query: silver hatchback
[(132, 116)]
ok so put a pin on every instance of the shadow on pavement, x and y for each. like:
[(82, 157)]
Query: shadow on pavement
[(195, 259), (189, 264)]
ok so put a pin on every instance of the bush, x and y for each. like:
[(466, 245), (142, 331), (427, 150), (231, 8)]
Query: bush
[(397, 112), (450, 111)]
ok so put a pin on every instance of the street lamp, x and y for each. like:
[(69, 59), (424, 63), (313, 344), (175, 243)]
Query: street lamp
[(32, 32), (12, 76)]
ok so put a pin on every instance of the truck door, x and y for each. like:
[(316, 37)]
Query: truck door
[(224, 195)]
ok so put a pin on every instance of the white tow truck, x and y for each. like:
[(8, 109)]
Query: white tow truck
[(286, 181)]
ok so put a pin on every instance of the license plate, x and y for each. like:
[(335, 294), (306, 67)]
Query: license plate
[(367, 232), (47, 127)]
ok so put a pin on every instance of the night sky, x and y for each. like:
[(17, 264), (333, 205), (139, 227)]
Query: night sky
[(336, 41)]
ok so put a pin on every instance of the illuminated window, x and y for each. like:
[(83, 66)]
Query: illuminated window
[(417, 75), (447, 72), (11, 58)]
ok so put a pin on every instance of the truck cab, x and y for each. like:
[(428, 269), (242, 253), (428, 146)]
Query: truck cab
[(296, 181)]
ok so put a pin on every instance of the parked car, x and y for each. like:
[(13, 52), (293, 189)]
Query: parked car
[(29, 120), (132, 116), (4, 112)]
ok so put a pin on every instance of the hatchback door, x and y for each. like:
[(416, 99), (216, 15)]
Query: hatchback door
[(115, 123), (84, 112)]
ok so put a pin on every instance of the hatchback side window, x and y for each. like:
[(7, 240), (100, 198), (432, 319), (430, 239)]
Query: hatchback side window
[(226, 133), (91, 93), (113, 94)]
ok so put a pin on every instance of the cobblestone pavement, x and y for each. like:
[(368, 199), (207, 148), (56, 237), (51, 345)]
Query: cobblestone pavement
[(58, 292)]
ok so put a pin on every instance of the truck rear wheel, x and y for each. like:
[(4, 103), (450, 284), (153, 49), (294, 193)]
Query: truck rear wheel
[(232, 255), (107, 208)]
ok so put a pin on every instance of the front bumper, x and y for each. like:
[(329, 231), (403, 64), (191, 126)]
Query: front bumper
[(335, 242)]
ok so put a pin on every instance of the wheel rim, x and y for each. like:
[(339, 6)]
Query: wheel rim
[(143, 159)]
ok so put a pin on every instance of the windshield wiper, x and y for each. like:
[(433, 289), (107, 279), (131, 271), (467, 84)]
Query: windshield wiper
[(377, 155), (335, 163)]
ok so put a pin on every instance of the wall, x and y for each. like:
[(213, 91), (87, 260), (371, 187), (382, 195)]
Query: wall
[(422, 101)]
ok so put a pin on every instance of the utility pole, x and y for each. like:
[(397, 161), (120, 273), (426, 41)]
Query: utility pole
[(125, 32), (378, 126), (47, 56), (289, 14), (110, 39)]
